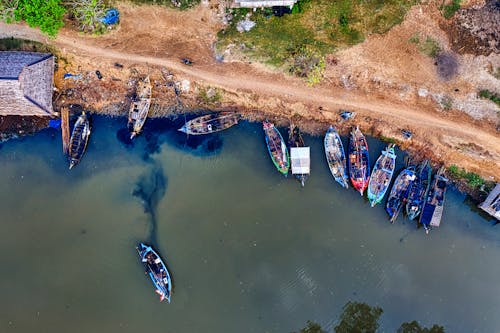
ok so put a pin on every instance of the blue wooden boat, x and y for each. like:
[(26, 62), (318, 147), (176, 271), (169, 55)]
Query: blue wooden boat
[(381, 175), (335, 156), (276, 147), (432, 211), (419, 190), (157, 271), (399, 192)]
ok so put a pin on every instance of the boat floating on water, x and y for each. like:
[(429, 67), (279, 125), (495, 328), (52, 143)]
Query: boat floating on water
[(276, 147), (381, 175), (335, 156), (399, 192), (210, 123), (432, 211), (419, 190), (139, 108), (157, 271), (300, 155), (79, 139), (359, 161)]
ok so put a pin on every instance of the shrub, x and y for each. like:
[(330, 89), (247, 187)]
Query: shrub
[(472, 178), (450, 9), (429, 47), (490, 95), (88, 14), (308, 64), (8, 10), (45, 14)]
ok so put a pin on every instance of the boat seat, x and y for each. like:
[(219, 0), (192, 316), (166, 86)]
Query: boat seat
[(157, 260)]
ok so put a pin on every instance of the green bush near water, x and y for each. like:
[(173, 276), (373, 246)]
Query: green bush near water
[(321, 26), (472, 178)]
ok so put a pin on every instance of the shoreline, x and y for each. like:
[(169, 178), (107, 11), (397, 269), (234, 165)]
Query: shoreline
[(311, 127)]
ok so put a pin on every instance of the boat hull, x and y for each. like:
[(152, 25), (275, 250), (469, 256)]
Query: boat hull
[(210, 123), (419, 190), (358, 161), (277, 148), (79, 140), (381, 175), (157, 271), (139, 108), (335, 157), (399, 192)]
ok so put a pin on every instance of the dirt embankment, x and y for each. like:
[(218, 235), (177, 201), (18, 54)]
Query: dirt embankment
[(386, 80)]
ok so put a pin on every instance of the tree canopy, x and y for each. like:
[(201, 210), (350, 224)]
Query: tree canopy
[(45, 14)]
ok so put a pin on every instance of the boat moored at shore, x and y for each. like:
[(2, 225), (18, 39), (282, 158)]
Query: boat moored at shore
[(210, 123), (359, 161), (335, 156), (79, 140), (432, 211), (419, 190), (381, 175), (300, 155), (399, 192), (276, 147), (139, 108)]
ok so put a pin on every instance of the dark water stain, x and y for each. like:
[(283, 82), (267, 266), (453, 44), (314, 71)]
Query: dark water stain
[(151, 188), (123, 136)]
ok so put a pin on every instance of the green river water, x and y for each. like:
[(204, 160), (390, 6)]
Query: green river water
[(249, 250)]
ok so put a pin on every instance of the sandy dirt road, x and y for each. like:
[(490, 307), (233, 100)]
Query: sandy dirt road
[(245, 78)]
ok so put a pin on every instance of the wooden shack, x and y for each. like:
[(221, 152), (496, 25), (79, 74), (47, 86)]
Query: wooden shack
[(262, 3), (26, 83), (492, 203)]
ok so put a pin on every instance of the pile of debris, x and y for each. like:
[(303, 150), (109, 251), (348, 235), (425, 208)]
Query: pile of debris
[(476, 30)]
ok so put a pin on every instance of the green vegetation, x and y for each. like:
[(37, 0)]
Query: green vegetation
[(450, 9), (414, 327), (415, 39), (429, 47), (210, 95), (14, 44), (490, 95), (387, 139), (319, 26), (312, 327), (45, 14), (496, 73), (181, 4), (88, 14), (472, 178)]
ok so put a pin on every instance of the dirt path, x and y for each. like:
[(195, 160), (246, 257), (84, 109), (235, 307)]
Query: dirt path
[(239, 77)]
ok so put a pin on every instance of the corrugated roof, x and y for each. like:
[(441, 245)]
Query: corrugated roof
[(12, 62), (301, 160)]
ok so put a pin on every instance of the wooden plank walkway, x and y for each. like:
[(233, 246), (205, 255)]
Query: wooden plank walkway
[(492, 203), (65, 129)]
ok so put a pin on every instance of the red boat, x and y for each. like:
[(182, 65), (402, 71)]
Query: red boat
[(359, 161)]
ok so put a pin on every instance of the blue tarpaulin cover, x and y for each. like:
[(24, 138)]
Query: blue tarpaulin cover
[(112, 17), (55, 123)]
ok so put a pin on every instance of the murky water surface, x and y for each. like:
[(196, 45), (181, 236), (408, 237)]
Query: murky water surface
[(249, 250)]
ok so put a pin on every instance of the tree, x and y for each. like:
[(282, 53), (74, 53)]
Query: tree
[(8, 10), (312, 327), (414, 327), (45, 14), (88, 14), (359, 318)]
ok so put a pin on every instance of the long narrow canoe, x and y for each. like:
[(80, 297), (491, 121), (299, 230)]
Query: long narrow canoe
[(432, 211), (139, 108), (381, 175), (419, 190), (157, 271), (359, 161), (210, 123), (276, 147), (79, 139), (399, 192), (335, 156)]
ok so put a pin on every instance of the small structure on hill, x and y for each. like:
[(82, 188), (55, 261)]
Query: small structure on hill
[(262, 3), (26, 83), (492, 203)]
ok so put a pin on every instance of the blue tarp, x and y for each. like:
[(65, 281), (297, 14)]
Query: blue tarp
[(112, 17), (55, 123)]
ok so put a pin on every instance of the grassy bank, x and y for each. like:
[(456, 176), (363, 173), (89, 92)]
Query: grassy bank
[(320, 26)]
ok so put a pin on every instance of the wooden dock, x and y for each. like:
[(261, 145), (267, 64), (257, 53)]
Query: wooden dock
[(492, 203), (65, 129)]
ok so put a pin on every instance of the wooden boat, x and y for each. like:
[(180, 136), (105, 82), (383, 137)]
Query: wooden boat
[(419, 190), (210, 123), (335, 156), (359, 161), (300, 155), (432, 210), (157, 271), (381, 175), (276, 147), (79, 139), (139, 108), (399, 192)]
